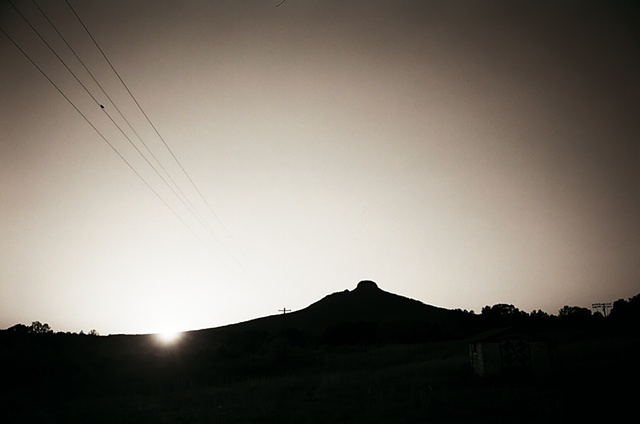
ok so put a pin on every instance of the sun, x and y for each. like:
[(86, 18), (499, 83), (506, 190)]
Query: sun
[(169, 336)]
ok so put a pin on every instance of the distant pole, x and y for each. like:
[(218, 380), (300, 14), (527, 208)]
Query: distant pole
[(603, 306), (284, 316)]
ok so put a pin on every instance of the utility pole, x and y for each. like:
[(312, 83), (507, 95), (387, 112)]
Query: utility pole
[(284, 316), (603, 306)]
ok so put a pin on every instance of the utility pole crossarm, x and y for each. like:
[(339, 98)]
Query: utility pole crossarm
[(604, 306)]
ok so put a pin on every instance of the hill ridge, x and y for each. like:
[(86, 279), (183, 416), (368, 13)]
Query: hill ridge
[(367, 303)]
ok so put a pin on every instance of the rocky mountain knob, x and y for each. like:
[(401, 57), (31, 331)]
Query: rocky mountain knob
[(367, 285)]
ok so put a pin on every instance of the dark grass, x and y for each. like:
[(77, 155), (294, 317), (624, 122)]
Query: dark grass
[(393, 384), (411, 383)]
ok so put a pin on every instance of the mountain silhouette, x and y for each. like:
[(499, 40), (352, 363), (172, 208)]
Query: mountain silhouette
[(367, 303)]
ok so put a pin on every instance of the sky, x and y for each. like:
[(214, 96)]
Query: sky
[(461, 153)]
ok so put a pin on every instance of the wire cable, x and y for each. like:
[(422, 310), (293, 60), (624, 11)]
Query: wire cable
[(191, 209), (194, 212), (95, 42), (184, 196), (175, 158), (53, 51), (96, 130)]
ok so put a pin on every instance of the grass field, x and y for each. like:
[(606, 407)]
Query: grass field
[(420, 383)]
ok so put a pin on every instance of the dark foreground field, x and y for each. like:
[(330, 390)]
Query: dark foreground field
[(594, 378)]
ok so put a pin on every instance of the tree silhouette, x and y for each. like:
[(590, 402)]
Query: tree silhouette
[(503, 314), (38, 328), (541, 319), (624, 311), (575, 315), (19, 329)]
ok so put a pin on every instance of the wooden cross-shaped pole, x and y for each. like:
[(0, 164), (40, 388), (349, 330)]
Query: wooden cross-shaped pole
[(284, 311)]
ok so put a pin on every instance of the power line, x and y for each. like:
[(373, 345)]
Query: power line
[(184, 199), (194, 212), (189, 208), (53, 51), (90, 94), (96, 129), (119, 112), (102, 107), (133, 97), (175, 158)]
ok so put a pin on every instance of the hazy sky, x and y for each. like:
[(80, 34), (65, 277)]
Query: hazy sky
[(462, 153)]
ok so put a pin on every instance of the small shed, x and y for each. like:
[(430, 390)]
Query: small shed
[(510, 352)]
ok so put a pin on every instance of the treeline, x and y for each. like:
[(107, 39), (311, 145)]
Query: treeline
[(37, 327), (622, 313)]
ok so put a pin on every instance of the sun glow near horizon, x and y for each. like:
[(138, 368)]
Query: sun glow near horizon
[(168, 337)]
